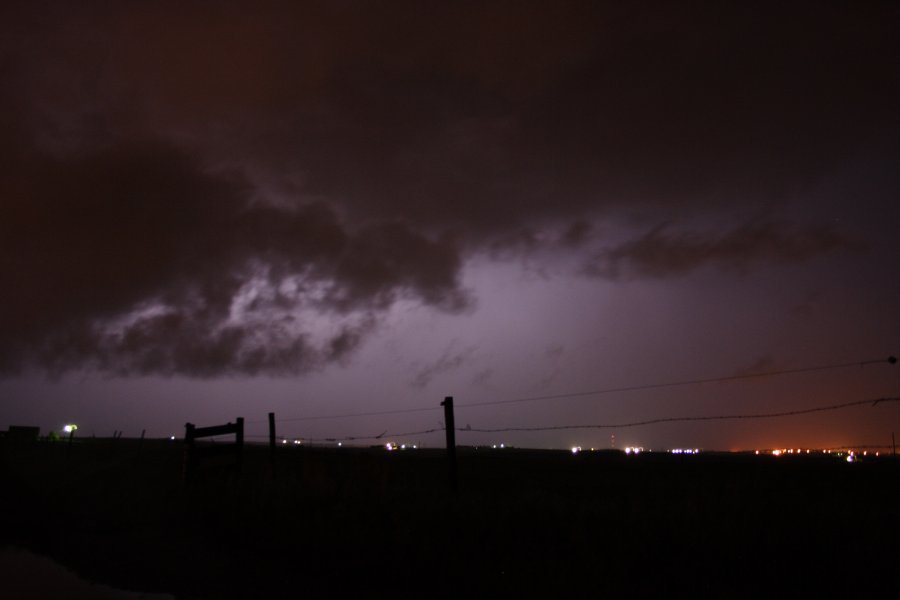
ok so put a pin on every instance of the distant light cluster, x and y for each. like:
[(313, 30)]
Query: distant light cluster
[(390, 446), (852, 455)]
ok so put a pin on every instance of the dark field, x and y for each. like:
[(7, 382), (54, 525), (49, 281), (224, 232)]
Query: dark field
[(524, 523)]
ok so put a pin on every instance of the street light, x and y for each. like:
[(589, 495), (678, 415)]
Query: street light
[(70, 429)]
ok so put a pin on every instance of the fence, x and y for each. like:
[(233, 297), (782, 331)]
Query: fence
[(196, 457), (230, 455)]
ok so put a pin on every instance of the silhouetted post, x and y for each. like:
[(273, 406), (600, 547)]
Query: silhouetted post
[(272, 442), (893, 446), (239, 440), (451, 440), (188, 451), (71, 435)]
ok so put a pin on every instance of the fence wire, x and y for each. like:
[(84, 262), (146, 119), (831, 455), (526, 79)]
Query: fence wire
[(642, 423), (599, 392)]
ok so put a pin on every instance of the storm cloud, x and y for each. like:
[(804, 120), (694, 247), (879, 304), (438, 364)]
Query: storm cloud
[(662, 252), (203, 191), (136, 259)]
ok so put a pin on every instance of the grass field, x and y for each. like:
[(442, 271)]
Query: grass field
[(373, 523)]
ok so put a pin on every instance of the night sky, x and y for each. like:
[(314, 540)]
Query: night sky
[(212, 210)]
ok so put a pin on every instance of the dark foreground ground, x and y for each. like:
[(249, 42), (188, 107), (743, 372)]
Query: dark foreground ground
[(523, 524)]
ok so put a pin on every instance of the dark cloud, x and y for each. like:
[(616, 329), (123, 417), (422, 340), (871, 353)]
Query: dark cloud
[(450, 360), (135, 258), (478, 118), (662, 252), (206, 189), (576, 234)]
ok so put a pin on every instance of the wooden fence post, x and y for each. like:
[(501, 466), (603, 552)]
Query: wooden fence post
[(272, 442), (192, 452), (451, 441), (239, 440), (188, 451)]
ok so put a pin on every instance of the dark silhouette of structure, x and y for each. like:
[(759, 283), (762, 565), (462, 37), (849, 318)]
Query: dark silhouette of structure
[(197, 456)]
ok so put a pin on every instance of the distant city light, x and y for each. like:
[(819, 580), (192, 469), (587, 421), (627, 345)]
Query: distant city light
[(390, 446), (850, 458), (576, 449), (172, 437), (776, 452), (340, 444), (634, 449), (70, 428)]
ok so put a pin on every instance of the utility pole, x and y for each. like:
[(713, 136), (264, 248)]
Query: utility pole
[(451, 441)]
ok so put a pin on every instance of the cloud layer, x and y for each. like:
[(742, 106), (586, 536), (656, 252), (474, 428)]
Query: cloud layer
[(136, 259), (196, 190), (664, 253)]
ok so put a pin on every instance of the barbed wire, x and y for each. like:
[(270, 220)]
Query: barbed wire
[(351, 438), (642, 423), (787, 413), (650, 386), (597, 392)]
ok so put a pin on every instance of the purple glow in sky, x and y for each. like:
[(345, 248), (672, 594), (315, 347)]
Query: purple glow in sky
[(329, 208)]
